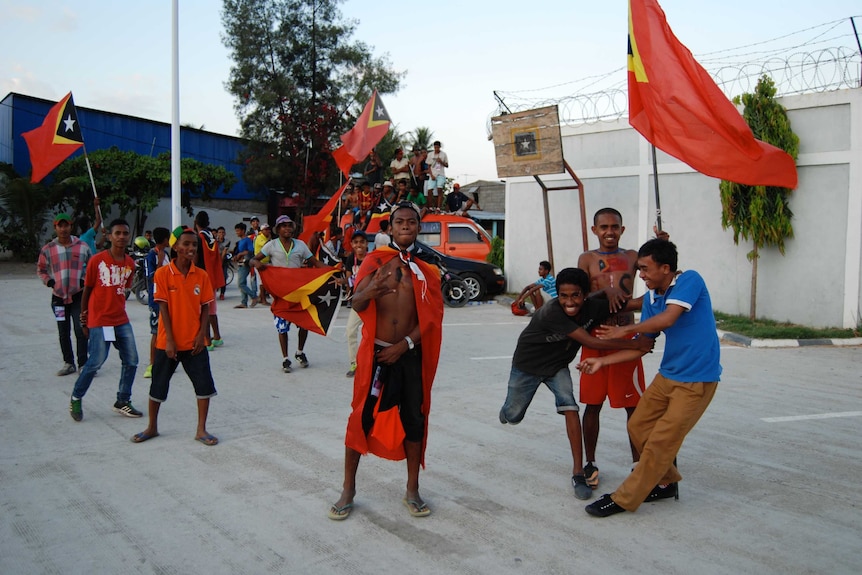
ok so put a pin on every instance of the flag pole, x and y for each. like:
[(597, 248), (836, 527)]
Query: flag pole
[(92, 180), (655, 186)]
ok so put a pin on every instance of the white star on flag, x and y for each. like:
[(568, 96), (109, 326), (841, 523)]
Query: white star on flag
[(327, 299), (383, 206), (381, 112), (70, 124)]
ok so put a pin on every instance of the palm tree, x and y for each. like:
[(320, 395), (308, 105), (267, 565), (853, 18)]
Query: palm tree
[(422, 137)]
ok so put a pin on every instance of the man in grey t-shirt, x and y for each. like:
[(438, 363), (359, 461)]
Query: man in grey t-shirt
[(287, 252)]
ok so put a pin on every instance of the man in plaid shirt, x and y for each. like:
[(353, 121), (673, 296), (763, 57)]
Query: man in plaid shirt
[(61, 267)]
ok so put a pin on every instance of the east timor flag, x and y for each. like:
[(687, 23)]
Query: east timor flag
[(675, 104), (320, 221), (55, 140), (370, 128), (306, 297)]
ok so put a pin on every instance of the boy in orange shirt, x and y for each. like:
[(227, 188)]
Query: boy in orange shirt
[(184, 293)]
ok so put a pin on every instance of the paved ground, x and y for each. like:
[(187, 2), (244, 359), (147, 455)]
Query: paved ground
[(762, 493)]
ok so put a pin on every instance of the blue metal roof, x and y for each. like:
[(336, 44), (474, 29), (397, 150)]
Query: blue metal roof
[(101, 130)]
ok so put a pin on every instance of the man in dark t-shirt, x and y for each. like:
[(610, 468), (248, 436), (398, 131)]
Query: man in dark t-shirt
[(545, 349)]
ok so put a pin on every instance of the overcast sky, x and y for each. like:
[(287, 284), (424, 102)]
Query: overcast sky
[(115, 55)]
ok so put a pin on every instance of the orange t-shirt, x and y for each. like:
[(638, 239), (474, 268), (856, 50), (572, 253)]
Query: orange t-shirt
[(108, 280), (184, 294)]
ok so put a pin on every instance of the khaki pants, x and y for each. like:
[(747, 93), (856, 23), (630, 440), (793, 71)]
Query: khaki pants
[(664, 416), (354, 325)]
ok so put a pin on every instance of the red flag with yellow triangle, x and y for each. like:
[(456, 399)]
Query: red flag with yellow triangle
[(306, 297), (370, 128), (55, 140)]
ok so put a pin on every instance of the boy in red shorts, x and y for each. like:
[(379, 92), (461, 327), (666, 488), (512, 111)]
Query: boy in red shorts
[(184, 293), (612, 270)]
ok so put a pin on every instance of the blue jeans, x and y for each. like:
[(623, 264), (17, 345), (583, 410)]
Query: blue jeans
[(98, 350), (246, 292), (523, 386)]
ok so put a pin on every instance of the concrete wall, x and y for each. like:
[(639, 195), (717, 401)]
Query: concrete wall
[(816, 283)]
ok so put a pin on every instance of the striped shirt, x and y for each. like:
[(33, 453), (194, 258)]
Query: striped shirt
[(65, 265), (549, 285)]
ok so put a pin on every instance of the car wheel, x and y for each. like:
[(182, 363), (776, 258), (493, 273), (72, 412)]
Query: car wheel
[(475, 285)]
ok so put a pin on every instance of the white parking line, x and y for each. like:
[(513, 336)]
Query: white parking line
[(812, 416)]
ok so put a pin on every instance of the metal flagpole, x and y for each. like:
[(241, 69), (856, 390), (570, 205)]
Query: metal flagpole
[(655, 186)]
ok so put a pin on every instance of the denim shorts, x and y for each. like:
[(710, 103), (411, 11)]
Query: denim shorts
[(523, 386)]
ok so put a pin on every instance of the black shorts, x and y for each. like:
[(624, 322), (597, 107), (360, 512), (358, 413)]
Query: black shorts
[(197, 367), (402, 386)]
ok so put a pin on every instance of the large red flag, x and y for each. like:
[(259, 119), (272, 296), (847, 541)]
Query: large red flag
[(306, 297), (319, 222), (55, 140), (370, 128), (674, 103)]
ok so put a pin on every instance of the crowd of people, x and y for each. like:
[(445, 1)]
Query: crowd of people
[(396, 301)]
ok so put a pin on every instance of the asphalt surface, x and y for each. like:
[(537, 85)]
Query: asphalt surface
[(771, 471)]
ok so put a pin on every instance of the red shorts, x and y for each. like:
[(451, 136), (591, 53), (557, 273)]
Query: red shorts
[(622, 383)]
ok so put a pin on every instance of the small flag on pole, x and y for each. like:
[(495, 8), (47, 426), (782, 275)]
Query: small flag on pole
[(370, 128), (55, 140)]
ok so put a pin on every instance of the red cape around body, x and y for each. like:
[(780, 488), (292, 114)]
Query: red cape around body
[(430, 310)]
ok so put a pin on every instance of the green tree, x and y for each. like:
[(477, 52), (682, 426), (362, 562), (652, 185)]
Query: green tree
[(25, 211), (134, 183), (299, 82), (761, 214)]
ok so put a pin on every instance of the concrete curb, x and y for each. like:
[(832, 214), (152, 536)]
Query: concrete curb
[(745, 341)]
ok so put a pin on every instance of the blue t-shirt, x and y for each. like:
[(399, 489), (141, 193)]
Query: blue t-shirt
[(549, 285), (691, 352), (246, 245), (90, 237)]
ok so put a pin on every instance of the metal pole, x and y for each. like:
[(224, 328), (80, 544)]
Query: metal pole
[(655, 186), (176, 190), (858, 44), (547, 222)]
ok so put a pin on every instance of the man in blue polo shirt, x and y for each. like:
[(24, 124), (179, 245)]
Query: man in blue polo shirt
[(679, 305)]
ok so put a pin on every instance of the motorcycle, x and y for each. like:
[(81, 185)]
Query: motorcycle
[(139, 282)]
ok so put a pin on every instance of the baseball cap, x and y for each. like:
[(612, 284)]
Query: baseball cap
[(61, 218), (283, 220), (177, 232), (264, 226), (378, 186), (254, 219), (387, 183)]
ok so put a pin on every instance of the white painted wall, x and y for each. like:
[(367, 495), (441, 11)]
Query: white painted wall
[(816, 283)]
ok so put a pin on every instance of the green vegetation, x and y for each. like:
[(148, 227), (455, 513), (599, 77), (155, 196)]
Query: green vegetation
[(761, 214), (768, 329), (497, 253)]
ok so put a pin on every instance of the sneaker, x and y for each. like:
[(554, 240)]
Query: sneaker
[(300, 357), (66, 369), (218, 342), (210, 347), (126, 409), (582, 490), (603, 507), (591, 472), (352, 371), (285, 366), (75, 410), (662, 492), (148, 373)]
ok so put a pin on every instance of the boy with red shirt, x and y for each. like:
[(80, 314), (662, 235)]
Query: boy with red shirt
[(184, 294), (103, 311)]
